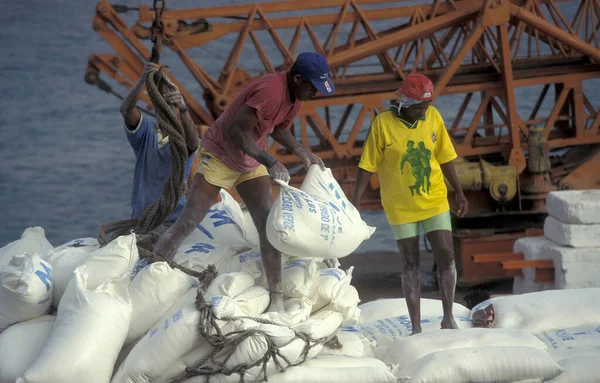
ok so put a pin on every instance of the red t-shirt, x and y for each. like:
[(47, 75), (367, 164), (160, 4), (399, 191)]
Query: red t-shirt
[(270, 97)]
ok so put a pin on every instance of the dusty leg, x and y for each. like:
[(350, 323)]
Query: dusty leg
[(256, 194), (411, 282), (443, 253), (199, 199)]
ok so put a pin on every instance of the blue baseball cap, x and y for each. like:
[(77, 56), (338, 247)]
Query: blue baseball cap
[(314, 67)]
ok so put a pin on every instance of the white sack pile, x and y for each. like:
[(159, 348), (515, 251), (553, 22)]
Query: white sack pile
[(120, 320)]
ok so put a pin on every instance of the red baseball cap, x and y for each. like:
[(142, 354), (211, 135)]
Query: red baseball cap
[(417, 87)]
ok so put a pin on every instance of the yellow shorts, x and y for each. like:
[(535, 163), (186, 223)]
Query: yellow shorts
[(219, 174)]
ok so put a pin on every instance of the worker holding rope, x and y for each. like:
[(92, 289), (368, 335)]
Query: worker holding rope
[(233, 155), (150, 145)]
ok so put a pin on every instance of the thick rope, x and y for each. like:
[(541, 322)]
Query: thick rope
[(159, 210), (225, 345)]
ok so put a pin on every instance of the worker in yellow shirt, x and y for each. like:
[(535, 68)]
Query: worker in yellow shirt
[(410, 150)]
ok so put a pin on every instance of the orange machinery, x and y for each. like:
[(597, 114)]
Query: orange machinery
[(514, 70)]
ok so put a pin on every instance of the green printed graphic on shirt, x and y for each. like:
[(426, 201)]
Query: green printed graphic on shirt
[(419, 161)]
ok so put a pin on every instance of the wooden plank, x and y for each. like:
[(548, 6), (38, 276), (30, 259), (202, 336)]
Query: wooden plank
[(533, 263), (497, 257), (544, 275)]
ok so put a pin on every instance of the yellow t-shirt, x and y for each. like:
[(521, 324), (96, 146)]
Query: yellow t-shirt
[(407, 161)]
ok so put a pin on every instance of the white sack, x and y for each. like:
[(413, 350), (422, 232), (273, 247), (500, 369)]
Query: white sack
[(215, 239), (334, 368), (64, 261), (25, 289), (385, 331), (579, 369), (113, 260), (250, 350), (169, 339), (481, 364), (297, 276), (404, 352), (89, 331), (330, 285), (229, 285), (387, 308), (153, 291), (321, 325), (563, 343), (188, 360), (540, 311), (322, 225), (21, 344), (252, 302), (110, 261), (250, 262), (353, 345), (346, 305), (86, 243), (32, 241)]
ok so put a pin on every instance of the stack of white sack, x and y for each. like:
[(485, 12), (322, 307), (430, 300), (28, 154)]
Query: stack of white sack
[(316, 220), (121, 321), (224, 238), (565, 320), (175, 341), (571, 240)]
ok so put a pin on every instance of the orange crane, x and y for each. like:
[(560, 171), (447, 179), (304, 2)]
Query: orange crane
[(513, 71)]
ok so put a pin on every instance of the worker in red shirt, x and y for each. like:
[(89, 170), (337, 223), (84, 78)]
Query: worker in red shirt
[(233, 155)]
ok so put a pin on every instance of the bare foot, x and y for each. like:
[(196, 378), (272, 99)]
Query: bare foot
[(449, 323), (276, 304), (416, 331)]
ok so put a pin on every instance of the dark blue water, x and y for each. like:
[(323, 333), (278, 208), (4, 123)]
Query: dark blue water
[(65, 163)]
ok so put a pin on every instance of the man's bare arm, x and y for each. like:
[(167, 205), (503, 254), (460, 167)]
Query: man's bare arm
[(450, 173), (130, 113), (238, 132), (189, 128), (362, 180), (284, 136)]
